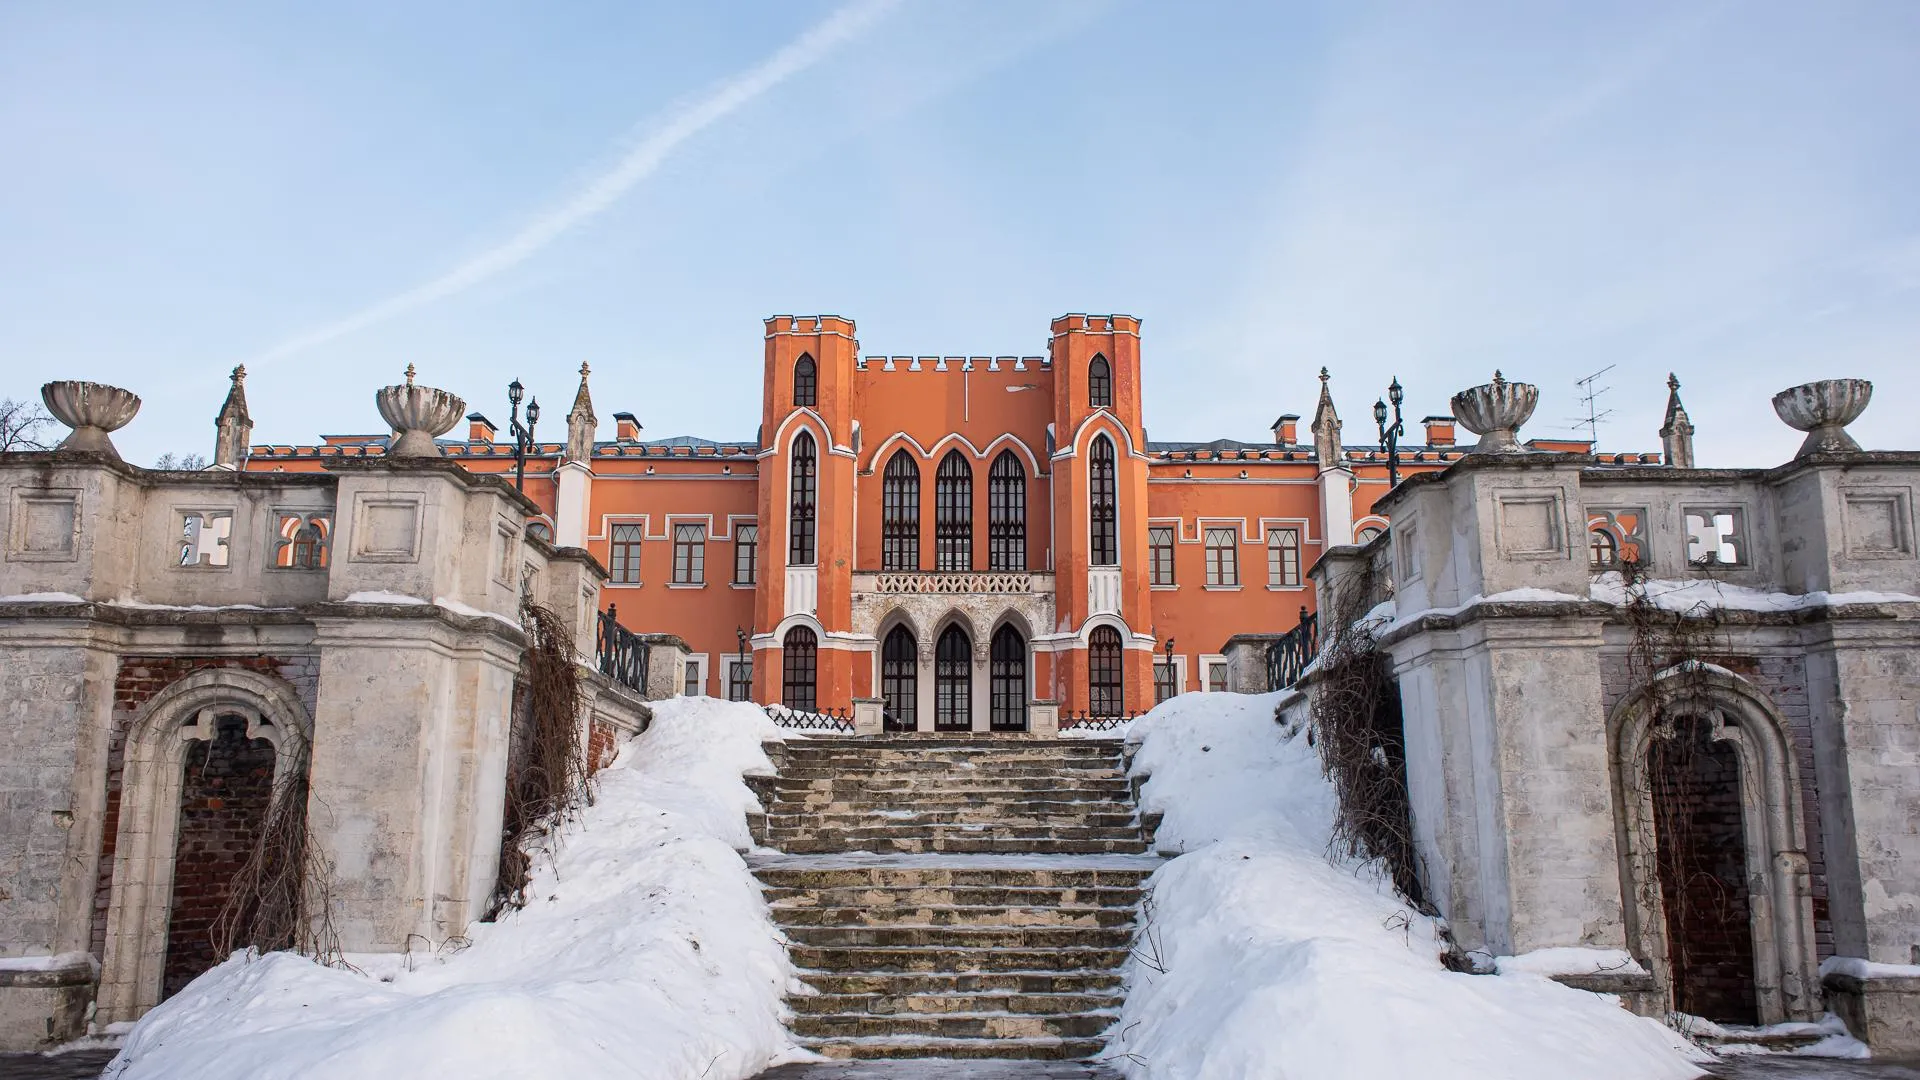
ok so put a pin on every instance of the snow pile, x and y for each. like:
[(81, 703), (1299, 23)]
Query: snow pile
[(1707, 594), (646, 952), (1569, 960), (1258, 958)]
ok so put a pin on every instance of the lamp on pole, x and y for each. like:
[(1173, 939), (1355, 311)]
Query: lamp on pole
[(1173, 673), (1390, 434), (740, 635), (522, 434)]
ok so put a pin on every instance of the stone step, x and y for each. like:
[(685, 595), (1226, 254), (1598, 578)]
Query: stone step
[(853, 837), (950, 915), (921, 808), (991, 845), (858, 898), (932, 983), (1103, 768), (1073, 814), (1048, 1048), (931, 1004), (953, 1025), (949, 780), (954, 938), (865, 959), (805, 877)]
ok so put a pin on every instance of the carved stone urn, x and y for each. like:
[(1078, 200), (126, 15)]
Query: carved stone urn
[(92, 410), (1823, 410), (418, 415), (1494, 411)]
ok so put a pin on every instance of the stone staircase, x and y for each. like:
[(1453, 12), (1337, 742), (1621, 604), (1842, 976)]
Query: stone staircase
[(953, 896)]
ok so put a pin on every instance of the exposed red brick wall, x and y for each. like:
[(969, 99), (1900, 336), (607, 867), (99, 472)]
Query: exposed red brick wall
[(601, 744), (1703, 874), (224, 799), (138, 680)]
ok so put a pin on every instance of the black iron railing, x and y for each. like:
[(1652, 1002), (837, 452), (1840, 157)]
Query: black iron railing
[(816, 720), (1288, 657), (621, 654), (1087, 721)]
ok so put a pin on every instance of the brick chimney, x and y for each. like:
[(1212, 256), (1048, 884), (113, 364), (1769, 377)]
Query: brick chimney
[(626, 428), (479, 428), (1286, 430), (1439, 430)]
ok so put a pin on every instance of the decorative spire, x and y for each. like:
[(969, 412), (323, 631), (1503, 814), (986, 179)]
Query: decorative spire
[(1326, 427), (1676, 433), (581, 422), (233, 428), (410, 374)]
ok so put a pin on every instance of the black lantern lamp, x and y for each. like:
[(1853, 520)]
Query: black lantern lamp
[(1390, 433), (522, 434)]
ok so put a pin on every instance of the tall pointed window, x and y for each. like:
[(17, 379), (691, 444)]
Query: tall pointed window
[(1100, 384), (801, 493), (1008, 682), (953, 513), (900, 680), (799, 662), (953, 681), (805, 391), (1007, 513), (1102, 504), (900, 514), (1105, 696)]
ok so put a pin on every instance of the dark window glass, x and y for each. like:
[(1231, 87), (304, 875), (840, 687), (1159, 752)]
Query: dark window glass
[(740, 680), (1223, 557), (900, 514), (953, 681), (1007, 513), (1165, 680), (624, 566), (953, 513), (1100, 384), (746, 554), (1008, 681), (800, 511), (1103, 503), (689, 554), (900, 680), (799, 663), (804, 392), (1160, 554), (1105, 696)]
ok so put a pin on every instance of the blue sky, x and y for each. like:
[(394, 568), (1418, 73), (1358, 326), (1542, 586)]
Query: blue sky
[(488, 190)]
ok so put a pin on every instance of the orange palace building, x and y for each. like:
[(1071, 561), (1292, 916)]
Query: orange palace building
[(960, 537)]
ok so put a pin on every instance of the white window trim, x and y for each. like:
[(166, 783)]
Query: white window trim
[(700, 661), (1208, 661), (729, 661), (1179, 671)]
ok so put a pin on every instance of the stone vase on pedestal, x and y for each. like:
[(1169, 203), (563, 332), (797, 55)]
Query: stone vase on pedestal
[(92, 410), (1823, 409), (418, 416), (1494, 411)]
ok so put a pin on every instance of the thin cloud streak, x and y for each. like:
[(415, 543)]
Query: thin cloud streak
[(601, 193)]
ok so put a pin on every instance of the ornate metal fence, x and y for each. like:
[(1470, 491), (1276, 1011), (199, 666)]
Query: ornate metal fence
[(1087, 721), (1289, 657), (621, 655), (837, 720)]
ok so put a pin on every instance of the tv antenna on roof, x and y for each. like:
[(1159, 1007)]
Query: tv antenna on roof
[(1590, 400)]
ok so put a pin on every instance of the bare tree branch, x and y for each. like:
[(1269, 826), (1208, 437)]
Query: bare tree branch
[(21, 424)]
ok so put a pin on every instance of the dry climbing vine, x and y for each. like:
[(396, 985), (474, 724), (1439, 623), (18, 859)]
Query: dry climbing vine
[(546, 759), (281, 897)]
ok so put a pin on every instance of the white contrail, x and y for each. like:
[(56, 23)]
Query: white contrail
[(638, 164)]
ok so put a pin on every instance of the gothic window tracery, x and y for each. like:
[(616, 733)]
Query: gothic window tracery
[(900, 514), (1103, 504), (1007, 513), (953, 514), (801, 495)]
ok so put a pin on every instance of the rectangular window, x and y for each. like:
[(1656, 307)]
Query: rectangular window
[(1217, 676), (746, 554), (740, 679), (1223, 557), (689, 554), (624, 561), (694, 682), (1166, 680), (1160, 553), (1283, 557)]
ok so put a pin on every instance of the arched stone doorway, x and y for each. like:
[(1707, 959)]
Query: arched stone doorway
[(900, 679), (953, 681), (1712, 843), (1007, 682), (201, 762)]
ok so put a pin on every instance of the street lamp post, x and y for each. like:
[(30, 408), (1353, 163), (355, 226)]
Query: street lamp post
[(740, 635), (1390, 435), (522, 434), (1173, 673)]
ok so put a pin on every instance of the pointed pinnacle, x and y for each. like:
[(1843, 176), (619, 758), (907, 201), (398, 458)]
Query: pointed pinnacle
[(410, 374), (1673, 381), (240, 373)]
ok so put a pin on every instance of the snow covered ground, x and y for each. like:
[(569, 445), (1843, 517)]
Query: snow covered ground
[(646, 952), (1260, 960)]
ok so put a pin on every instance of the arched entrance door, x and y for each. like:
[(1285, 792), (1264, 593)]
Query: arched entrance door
[(953, 681), (900, 680), (225, 795), (1701, 858), (1008, 686)]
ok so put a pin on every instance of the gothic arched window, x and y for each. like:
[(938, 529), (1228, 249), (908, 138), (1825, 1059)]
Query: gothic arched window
[(953, 681), (805, 391), (1105, 694), (900, 680), (1007, 687), (953, 513), (1103, 509), (1100, 384), (799, 661), (801, 496), (1007, 513), (900, 514)]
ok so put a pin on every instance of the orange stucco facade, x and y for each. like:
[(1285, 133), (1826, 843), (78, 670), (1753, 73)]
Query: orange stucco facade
[(939, 565)]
